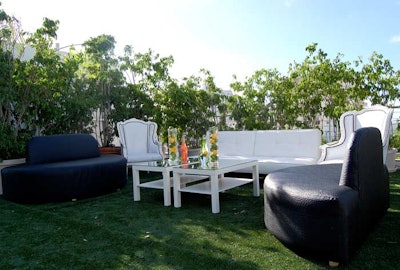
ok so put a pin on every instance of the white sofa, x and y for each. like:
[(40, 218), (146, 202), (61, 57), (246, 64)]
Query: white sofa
[(274, 149)]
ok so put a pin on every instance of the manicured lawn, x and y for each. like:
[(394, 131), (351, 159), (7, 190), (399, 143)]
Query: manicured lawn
[(114, 232)]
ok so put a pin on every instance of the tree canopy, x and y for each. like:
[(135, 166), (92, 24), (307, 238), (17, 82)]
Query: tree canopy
[(91, 89)]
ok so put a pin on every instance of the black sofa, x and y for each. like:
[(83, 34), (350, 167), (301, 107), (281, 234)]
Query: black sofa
[(327, 211), (61, 168)]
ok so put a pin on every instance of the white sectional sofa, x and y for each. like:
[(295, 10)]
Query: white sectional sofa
[(274, 149)]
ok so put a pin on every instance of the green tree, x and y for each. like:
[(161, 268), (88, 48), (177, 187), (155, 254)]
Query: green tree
[(131, 102), (214, 100), (77, 102), (323, 88), (12, 140), (253, 107), (379, 81), (148, 78), (190, 107), (102, 76)]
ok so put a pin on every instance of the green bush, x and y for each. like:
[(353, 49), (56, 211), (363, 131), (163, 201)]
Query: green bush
[(10, 146)]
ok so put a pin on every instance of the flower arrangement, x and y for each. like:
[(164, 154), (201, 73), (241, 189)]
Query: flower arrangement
[(204, 153), (173, 146), (214, 146)]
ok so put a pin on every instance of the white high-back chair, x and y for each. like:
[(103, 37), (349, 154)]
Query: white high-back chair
[(376, 116), (139, 141)]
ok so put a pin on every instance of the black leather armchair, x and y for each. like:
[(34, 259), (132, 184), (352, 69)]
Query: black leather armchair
[(326, 211)]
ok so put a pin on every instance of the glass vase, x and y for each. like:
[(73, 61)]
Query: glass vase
[(213, 141), (173, 158), (204, 153)]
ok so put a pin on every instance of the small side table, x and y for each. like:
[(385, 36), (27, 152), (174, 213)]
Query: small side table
[(217, 183), (164, 183)]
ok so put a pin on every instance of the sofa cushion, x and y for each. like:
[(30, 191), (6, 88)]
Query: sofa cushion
[(56, 148)]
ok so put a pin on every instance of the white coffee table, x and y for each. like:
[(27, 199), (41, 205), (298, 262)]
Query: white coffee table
[(164, 183), (217, 183)]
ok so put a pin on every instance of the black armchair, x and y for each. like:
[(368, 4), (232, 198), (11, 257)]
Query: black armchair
[(328, 210)]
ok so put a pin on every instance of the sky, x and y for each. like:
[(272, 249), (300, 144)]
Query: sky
[(226, 37)]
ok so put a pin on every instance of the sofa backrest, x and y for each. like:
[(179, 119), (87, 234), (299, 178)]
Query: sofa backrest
[(288, 143), (56, 148), (270, 143), (236, 143)]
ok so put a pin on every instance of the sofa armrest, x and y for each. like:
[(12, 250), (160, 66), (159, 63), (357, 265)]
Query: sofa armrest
[(333, 151)]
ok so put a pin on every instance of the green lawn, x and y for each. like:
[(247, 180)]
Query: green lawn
[(114, 232)]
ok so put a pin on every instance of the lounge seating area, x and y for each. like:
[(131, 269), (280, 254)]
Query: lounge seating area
[(312, 206)]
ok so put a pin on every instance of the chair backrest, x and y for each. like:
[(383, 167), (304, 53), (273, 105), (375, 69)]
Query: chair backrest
[(363, 170), (138, 137), (376, 116)]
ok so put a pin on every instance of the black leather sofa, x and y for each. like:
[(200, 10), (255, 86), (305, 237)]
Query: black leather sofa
[(61, 168), (327, 211)]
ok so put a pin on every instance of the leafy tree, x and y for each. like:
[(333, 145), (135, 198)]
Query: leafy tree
[(103, 76), (282, 105), (323, 87), (13, 135), (252, 110), (218, 109), (379, 81), (77, 102), (148, 78), (148, 70), (59, 93), (131, 102), (190, 107)]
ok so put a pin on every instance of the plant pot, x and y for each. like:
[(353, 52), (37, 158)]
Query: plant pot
[(106, 150), (8, 163)]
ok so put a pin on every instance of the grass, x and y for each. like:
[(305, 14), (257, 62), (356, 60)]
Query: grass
[(114, 232)]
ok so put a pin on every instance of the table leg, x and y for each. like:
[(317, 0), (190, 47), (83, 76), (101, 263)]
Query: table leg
[(214, 194), (167, 188), (256, 181), (135, 184), (177, 193)]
